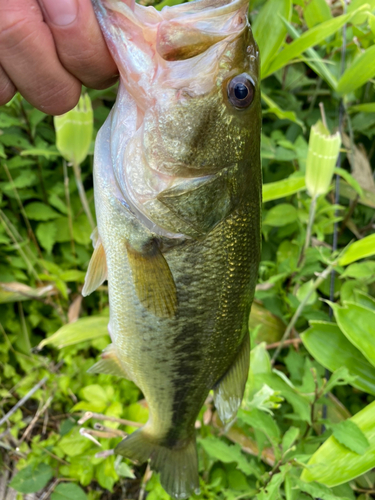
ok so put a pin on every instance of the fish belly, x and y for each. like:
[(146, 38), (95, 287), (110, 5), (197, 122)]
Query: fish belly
[(176, 361)]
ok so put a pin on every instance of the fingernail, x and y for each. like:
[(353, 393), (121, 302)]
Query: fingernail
[(61, 12)]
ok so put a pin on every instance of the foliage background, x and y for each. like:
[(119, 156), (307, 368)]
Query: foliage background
[(290, 408)]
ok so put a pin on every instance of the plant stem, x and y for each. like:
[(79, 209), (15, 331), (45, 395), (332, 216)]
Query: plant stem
[(67, 197), (300, 308), (308, 231), (82, 194)]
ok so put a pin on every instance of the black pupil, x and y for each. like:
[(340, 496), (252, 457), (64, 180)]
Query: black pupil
[(240, 91)]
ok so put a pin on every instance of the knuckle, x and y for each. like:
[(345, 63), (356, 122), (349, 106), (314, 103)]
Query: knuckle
[(7, 89), (17, 32), (60, 99)]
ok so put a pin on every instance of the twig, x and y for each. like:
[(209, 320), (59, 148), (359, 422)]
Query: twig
[(18, 246), (82, 194), (145, 480), (23, 400), (47, 493), (287, 342), (300, 308), (323, 114), (35, 419), (103, 428), (22, 210), (61, 460), (67, 197), (104, 454), (99, 416)]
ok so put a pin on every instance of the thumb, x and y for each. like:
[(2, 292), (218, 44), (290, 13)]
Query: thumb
[(79, 42)]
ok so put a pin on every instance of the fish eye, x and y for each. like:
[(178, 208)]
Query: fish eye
[(241, 91)]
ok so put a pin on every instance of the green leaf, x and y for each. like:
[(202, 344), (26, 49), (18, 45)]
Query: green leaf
[(317, 12), (218, 450), (310, 38), (272, 490), (73, 444), (281, 215), (47, 153), (351, 436), (94, 393), (358, 250), (46, 233), (40, 211), (32, 479), (329, 346), (263, 422), (281, 189), (341, 376), (369, 107), (106, 473), (317, 490), (349, 179), (88, 328), (68, 491), (357, 323), (289, 438), (82, 230), (281, 113), (73, 275), (362, 70), (269, 41), (333, 464)]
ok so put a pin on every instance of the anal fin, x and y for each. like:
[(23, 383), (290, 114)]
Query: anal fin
[(153, 280), (228, 392), (109, 364), (97, 270)]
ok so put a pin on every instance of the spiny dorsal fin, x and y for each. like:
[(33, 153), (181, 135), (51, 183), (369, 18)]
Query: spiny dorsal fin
[(109, 364), (97, 270), (153, 280), (228, 392)]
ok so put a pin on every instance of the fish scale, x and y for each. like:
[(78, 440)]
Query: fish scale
[(178, 216)]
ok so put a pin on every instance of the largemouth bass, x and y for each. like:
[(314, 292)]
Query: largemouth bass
[(177, 181)]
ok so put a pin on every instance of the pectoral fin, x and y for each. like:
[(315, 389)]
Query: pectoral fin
[(109, 364), (97, 270), (229, 391), (153, 280)]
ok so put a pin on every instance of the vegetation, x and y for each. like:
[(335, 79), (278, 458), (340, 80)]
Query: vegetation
[(314, 309)]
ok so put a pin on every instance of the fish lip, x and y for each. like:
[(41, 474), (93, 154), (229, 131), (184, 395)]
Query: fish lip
[(211, 9)]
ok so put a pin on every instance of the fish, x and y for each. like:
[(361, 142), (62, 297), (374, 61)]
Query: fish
[(177, 188)]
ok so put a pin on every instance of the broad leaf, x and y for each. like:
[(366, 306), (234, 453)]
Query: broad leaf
[(333, 463), (357, 323), (32, 479), (219, 450), (281, 189), (68, 491), (350, 435), (308, 39), (359, 250), (362, 70), (269, 41), (39, 211), (328, 345), (73, 333)]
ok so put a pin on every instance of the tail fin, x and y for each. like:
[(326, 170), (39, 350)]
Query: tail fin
[(178, 467)]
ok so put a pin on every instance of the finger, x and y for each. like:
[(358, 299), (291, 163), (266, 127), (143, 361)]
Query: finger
[(28, 56), (7, 89), (79, 41)]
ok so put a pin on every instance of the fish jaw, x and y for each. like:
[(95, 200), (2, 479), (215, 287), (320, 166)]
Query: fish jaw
[(174, 64)]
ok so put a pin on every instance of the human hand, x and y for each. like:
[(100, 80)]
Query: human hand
[(48, 48)]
